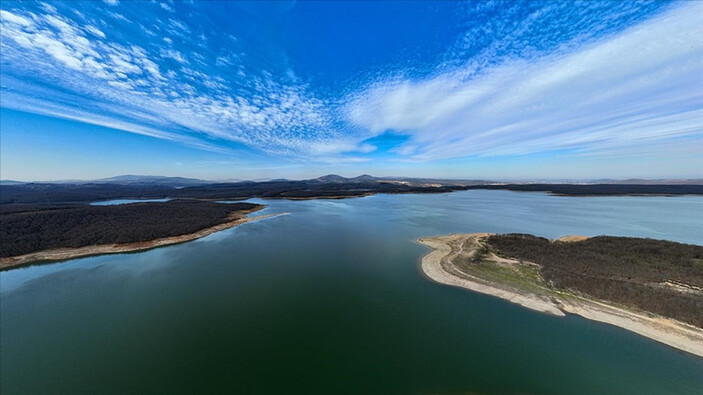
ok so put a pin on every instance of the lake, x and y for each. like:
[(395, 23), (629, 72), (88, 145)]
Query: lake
[(115, 202), (331, 299)]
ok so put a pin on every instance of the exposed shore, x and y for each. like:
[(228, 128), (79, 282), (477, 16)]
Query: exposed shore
[(61, 254), (440, 266)]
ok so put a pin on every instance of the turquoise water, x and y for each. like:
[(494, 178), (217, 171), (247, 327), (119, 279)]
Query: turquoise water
[(330, 299), (126, 201)]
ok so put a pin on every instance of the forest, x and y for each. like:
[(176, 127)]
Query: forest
[(73, 193), (600, 189), (628, 271), (324, 187), (31, 228)]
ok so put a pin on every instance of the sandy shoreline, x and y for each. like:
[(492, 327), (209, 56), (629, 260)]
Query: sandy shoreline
[(437, 265), (61, 254)]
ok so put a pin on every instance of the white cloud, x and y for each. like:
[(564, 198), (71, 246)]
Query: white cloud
[(113, 83), (638, 87), (122, 63), (642, 86), (10, 18), (95, 31), (223, 61), (48, 8), (178, 27), (173, 54), (119, 17)]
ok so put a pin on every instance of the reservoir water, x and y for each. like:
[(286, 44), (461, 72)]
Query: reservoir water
[(126, 201), (330, 299)]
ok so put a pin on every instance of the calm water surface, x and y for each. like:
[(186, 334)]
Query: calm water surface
[(330, 299), (115, 202)]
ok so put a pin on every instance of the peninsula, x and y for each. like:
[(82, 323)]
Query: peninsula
[(651, 287), (38, 233)]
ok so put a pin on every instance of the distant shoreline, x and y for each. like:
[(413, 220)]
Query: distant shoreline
[(438, 266), (328, 187), (62, 254)]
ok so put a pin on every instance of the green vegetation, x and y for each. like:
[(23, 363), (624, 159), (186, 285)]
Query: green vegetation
[(663, 277), (30, 228), (600, 189), (323, 187), (283, 189), (480, 263), (519, 276)]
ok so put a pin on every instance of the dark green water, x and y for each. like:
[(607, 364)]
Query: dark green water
[(330, 299)]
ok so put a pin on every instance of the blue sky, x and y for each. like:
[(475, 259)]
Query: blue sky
[(219, 90)]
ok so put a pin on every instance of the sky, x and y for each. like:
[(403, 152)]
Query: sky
[(248, 90)]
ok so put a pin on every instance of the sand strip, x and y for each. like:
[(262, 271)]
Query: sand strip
[(442, 271), (61, 254), (437, 266)]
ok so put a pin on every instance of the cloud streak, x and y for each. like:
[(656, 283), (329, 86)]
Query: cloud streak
[(597, 81), (640, 88), (158, 88)]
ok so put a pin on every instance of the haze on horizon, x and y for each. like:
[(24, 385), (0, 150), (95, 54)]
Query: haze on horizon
[(219, 90)]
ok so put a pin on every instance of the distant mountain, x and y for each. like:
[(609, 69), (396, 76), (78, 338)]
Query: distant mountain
[(335, 178), (267, 180), (331, 178), (152, 180), (127, 179), (180, 182), (364, 178), (11, 182), (408, 181), (330, 186), (434, 181)]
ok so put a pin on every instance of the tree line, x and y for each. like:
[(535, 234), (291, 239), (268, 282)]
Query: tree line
[(26, 230), (624, 270)]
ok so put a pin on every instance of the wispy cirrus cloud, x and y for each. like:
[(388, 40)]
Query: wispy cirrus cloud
[(157, 90), (521, 78), (639, 88)]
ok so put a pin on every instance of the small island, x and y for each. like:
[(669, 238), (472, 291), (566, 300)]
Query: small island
[(36, 233), (651, 287)]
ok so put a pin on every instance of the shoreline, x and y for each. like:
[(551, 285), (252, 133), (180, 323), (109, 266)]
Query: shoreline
[(62, 254), (437, 265)]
